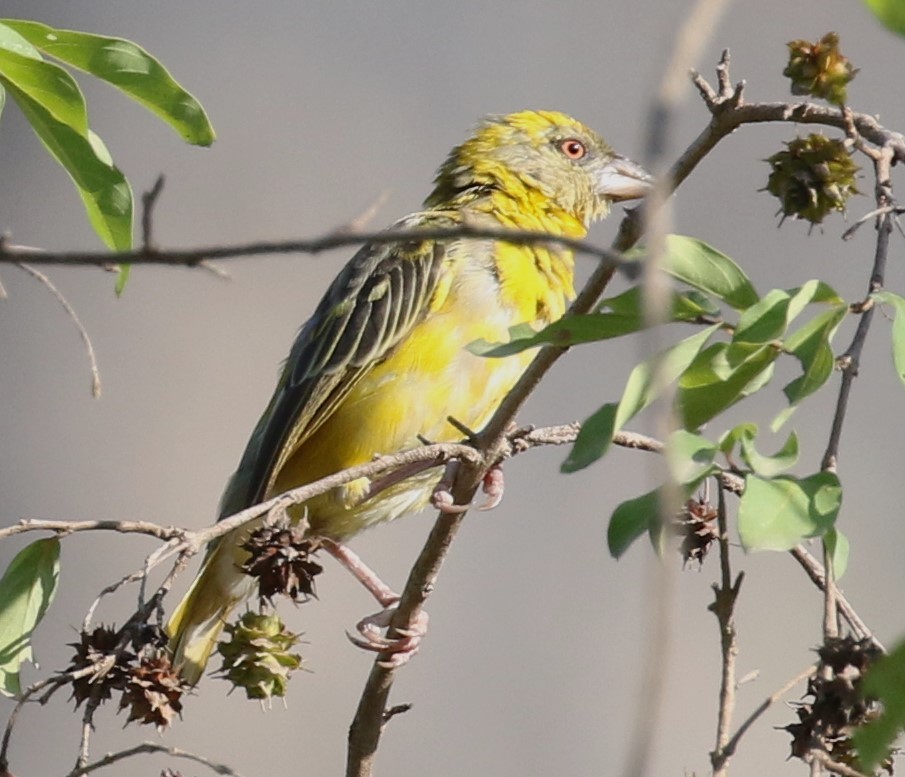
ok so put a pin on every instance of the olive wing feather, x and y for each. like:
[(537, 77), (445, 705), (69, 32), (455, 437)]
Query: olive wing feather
[(366, 312)]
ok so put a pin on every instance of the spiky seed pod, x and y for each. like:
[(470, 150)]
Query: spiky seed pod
[(836, 706), (280, 560), (812, 177), (257, 657), (696, 524), (98, 649), (819, 69), (153, 691)]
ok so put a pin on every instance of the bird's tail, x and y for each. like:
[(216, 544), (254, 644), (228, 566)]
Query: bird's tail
[(199, 618)]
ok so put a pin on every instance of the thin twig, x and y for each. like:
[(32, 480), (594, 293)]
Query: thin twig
[(152, 747), (732, 745), (835, 767), (73, 316), (148, 201), (817, 574), (340, 238), (723, 606)]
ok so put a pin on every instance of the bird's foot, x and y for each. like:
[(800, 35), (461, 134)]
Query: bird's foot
[(492, 486), (396, 651)]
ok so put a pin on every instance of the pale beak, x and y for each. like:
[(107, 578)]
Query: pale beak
[(621, 179)]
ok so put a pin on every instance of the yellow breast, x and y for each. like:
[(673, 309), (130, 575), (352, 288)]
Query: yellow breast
[(431, 375)]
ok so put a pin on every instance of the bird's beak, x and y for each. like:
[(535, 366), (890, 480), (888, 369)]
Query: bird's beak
[(621, 179)]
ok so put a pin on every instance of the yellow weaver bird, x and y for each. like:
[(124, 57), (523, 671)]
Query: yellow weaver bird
[(383, 362)]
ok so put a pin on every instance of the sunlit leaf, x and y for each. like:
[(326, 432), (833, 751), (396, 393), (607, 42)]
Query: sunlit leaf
[(640, 390), (694, 262), (811, 346), (779, 513), (898, 329), (26, 591), (13, 41), (690, 457), (769, 317), (838, 546), (47, 85), (129, 68), (890, 12), (631, 520), (885, 681), (719, 377), (769, 466), (570, 330), (104, 190)]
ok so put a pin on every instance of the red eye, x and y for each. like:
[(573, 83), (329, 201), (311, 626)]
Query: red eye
[(573, 149)]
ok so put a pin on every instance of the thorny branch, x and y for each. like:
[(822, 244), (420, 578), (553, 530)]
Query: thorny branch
[(723, 606)]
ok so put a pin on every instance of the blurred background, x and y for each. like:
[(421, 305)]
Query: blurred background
[(536, 653)]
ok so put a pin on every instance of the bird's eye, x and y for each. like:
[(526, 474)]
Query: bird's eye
[(573, 148)]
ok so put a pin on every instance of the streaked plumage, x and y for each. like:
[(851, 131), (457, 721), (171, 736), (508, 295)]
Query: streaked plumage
[(383, 361)]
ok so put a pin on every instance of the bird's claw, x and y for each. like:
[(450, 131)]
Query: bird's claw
[(492, 486), (396, 651)]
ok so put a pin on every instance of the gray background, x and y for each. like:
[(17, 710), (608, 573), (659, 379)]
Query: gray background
[(535, 657)]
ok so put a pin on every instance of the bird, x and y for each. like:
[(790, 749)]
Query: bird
[(384, 361)]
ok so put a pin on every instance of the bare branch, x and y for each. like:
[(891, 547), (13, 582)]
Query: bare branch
[(723, 606), (732, 744), (152, 747), (340, 238), (816, 572), (73, 316)]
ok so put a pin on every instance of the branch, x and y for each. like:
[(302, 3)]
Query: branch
[(341, 238), (723, 606), (151, 747), (73, 316), (731, 746)]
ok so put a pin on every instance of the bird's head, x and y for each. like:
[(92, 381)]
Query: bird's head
[(541, 152)]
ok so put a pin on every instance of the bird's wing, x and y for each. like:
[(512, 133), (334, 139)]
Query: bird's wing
[(367, 310)]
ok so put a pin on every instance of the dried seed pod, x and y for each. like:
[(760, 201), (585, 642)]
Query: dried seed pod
[(280, 560), (696, 524), (257, 657), (812, 177), (819, 69), (153, 691), (98, 650), (837, 706)]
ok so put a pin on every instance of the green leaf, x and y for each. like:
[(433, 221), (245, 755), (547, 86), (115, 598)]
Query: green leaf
[(13, 41), (777, 514), (811, 346), (104, 190), (898, 329), (699, 265), (47, 85), (838, 546), (630, 520), (2, 99), (885, 681), (720, 376), (689, 305), (597, 432), (769, 317), (593, 440), (734, 436), (890, 12), (26, 591), (690, 457), (567, 331), (769, 466), (130, 69)]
